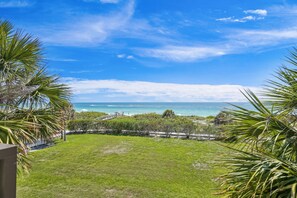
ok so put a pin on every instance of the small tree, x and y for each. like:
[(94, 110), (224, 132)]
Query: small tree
[(168, 114), (222, 118), (30, 99), (66, 113)]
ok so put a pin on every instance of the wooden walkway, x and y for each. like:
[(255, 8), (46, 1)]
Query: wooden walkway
[(111, 116)]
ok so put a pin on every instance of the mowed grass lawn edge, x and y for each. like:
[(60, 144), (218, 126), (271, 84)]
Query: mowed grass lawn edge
[(122, 166)]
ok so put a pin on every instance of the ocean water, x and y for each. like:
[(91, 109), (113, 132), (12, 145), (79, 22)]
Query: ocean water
[(187, 108)]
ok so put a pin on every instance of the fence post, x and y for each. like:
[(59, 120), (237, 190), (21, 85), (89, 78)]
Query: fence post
[(8, 167)]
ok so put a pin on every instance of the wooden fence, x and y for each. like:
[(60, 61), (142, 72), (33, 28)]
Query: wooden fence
[(40, 143)]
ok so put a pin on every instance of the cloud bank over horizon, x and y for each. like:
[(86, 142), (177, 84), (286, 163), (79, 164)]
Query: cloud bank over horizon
[(142, 91)]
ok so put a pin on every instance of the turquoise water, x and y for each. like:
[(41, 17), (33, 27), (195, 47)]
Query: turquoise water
[(189, 108)]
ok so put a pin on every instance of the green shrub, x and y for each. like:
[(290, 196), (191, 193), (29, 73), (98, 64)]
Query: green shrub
[(145, 122), (147, 116), (168, 114), (119, 124), (151, 123), (223, 118), (88, 115), (80, 125)]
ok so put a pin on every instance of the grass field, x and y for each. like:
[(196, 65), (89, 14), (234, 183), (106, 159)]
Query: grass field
[(121, 166)]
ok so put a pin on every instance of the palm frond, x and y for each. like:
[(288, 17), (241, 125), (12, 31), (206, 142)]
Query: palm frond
[(45, 90), (264, 163), (259, 175), (262, 128), (283, 90)]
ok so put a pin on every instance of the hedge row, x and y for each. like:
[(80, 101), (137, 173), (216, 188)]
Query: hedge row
[(146, 122), (134, 124), (88, 115)]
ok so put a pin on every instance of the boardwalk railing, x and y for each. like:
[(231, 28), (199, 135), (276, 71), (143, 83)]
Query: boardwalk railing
[(161, 134), (111, 116), (192, 136)]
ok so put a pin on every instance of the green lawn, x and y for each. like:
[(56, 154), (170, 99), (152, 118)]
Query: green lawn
[(121, 166)]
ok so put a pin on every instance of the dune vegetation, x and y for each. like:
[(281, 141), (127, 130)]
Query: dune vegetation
[(146, 122)]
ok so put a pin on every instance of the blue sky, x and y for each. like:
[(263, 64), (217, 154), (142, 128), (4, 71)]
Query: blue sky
[(159, 50)]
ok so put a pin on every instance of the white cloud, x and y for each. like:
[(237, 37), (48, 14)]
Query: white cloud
[(121, 55), (225, 19), (257, 11), (260, 14), (95, 30), (109, 1), (14, 3), (184, 53), (151, 91), (283, 10), (236, 41), (62, 59), (240, 20), (103, 1), (125, 56), (91, 30), (260, 38)]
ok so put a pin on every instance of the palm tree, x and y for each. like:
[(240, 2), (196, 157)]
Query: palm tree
[(264, 163), (30, 99)]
